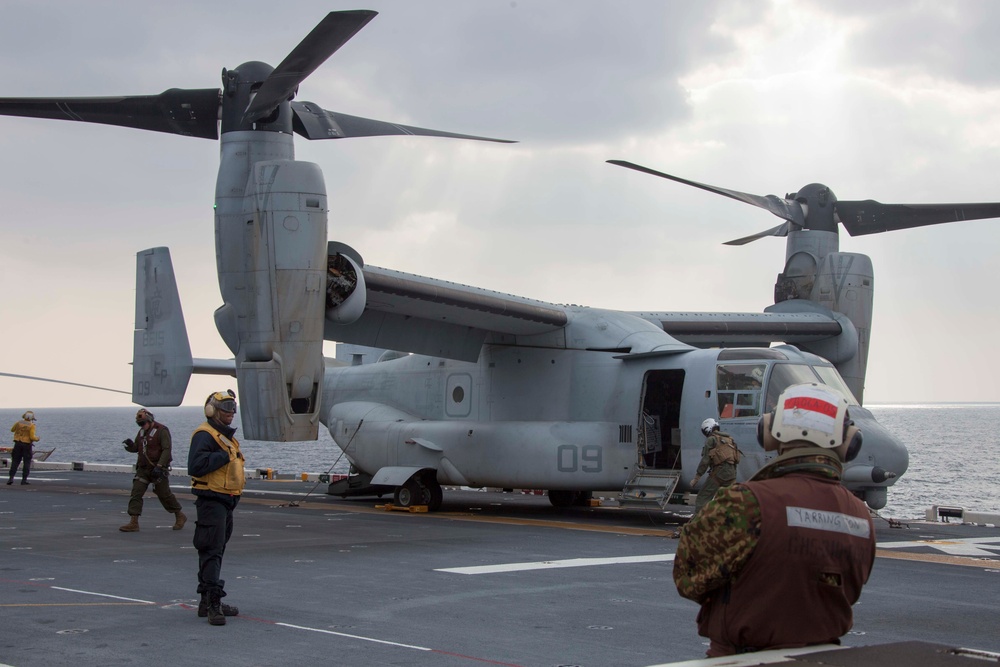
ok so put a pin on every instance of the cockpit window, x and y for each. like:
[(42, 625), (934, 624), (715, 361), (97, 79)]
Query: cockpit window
[(831, 377), (738, 388), (783, 376)]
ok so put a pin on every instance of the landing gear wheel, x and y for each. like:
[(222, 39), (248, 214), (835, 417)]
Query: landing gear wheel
[(435, 496), (408, 495), (560, 498)]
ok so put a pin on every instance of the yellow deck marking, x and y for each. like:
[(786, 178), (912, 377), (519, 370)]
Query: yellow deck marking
[(937, 558)]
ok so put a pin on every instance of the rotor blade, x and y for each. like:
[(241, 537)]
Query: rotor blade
[(871, 217), (312, 122), (780, 230), (324, 40), (784, 209), (75, 384), (188, 112)]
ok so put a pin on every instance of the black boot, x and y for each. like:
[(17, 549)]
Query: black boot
[(227, 610), (215, 615)]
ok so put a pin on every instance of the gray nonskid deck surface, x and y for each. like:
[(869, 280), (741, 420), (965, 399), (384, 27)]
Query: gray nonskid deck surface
[(340, 582)]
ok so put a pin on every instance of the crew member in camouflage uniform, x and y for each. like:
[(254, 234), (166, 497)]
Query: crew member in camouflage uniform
[(152, 444), (719, 457), (778, 561)]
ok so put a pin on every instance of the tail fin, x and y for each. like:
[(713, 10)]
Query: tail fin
[(161, 355)]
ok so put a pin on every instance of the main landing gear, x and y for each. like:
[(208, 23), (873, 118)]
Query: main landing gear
[(423, 490), (560, 498)]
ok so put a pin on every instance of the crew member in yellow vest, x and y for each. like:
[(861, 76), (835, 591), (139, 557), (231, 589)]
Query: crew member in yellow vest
[(215, 464), (24, 438)]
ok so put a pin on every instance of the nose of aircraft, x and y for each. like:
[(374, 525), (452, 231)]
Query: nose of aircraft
[(882, 460)]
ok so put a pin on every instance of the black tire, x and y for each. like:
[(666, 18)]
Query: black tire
[(436, 496), (408, 495), (560, 498)]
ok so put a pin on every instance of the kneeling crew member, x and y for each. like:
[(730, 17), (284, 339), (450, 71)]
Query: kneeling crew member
[(216, 467), (778, 561)]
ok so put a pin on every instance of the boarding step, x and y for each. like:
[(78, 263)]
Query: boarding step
[(648, 487)]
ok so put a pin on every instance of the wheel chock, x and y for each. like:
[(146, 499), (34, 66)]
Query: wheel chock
[(389, 507)]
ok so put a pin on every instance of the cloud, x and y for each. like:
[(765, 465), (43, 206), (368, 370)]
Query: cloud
[(895, 102)]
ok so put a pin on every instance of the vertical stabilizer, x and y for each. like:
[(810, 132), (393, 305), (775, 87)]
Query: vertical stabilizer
[(161, 355)]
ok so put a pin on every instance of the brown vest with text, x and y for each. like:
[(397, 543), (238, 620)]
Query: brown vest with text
[(815, 552)]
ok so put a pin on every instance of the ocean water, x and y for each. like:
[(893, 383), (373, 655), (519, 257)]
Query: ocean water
[(954, 448)]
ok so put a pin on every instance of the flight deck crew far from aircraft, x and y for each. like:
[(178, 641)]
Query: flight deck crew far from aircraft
[(778, 561), (24, 438), (719, 457), (215, 464), (153, 445)]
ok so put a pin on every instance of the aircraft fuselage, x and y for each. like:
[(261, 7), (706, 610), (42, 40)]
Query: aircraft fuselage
[(578, 420)]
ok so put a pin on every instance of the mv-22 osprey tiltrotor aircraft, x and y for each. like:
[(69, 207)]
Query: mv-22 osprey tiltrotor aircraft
[(474, 387)]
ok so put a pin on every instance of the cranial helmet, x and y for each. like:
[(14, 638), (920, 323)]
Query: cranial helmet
[(220, 401), (708, 426), (143, 416), (28, 416), (810, 412)]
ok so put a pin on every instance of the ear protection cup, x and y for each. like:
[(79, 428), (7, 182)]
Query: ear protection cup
[(764, 436), (854, 439), (218, 397)]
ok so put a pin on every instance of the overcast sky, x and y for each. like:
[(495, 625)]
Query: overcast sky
[(894, 101)]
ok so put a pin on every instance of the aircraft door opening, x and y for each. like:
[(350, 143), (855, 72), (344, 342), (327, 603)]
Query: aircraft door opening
[(659, 420)]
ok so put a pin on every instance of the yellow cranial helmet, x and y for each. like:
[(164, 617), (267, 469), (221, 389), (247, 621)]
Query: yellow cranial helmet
[(220, 401)]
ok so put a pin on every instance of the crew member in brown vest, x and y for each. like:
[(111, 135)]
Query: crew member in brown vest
[(778, 561), (153, 445)]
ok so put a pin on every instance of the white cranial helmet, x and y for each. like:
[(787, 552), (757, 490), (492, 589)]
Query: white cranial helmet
[(708, 426), (813, 412)]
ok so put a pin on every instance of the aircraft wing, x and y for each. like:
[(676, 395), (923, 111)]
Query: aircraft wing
[(411, 313), (429, 316), (747, 329)]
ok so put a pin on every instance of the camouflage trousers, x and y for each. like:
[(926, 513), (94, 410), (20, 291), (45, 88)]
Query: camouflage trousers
[(708, 491), (161, 488)]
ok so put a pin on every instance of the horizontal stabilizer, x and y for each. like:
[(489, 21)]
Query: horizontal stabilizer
[(215, 367), (161, 355)]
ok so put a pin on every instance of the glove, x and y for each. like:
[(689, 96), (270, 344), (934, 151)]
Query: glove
[(128, 443), (157, 473), (694, 481)]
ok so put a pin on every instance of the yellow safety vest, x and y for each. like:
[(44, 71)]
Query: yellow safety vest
[(24, 432), (228, 479)]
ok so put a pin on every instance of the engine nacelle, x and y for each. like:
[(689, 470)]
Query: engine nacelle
[(842, 282), (271, 245)]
